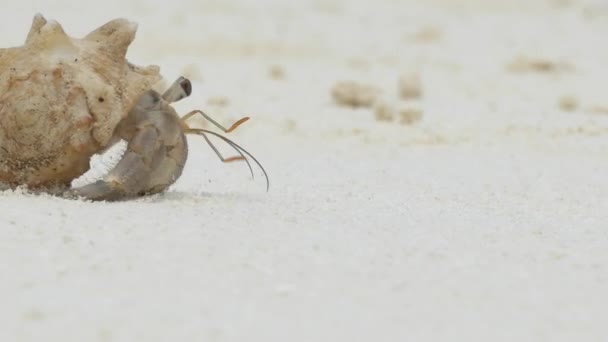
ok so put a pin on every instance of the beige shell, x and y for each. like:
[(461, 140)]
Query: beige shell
[(61, 99)]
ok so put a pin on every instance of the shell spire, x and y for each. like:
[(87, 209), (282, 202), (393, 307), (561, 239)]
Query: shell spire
[(114, 36), (47, 33), (37, 24)]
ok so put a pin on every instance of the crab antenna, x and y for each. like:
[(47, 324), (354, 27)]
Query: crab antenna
[(219, 155), (237, 147)]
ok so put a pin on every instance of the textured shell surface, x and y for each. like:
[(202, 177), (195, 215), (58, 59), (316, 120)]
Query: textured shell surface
[(61, 99)]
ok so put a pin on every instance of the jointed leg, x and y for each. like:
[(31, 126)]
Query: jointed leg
[(218, 125), (239, 149), (215, 123), (182, 88), (217, 152)]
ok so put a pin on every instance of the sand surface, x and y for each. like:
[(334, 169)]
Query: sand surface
[(481, 219)]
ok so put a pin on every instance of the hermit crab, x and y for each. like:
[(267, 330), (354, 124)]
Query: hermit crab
[(64, 99)]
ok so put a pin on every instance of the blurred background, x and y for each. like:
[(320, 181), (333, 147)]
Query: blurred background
[(484, 69), (491, 64)]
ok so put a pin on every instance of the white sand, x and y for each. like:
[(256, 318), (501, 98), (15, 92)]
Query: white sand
[(485, 221)]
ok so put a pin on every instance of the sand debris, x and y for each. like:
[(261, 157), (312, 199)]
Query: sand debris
[(540, 65), (384, 112), (405, 114), (409, 115), (568, 103), (598, 109), (354, 94), (426, 35), (410, 86), (276, 72)]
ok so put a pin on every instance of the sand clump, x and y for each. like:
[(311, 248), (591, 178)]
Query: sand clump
[(410, 86), (568, 103), (409, 115), (354, 94), (599, 109), (276, 72), (384, 112), (405, 109), (426, 35), (403, 113), (522, 64)]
